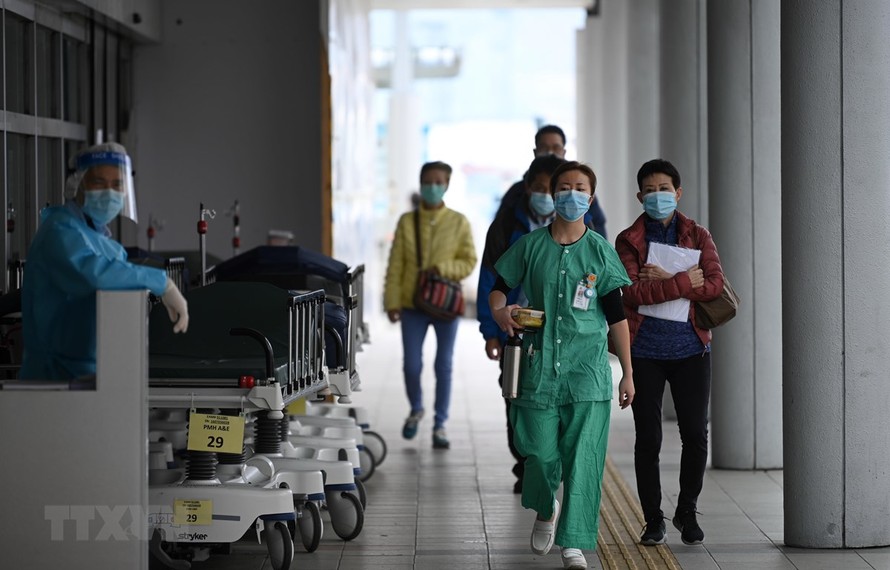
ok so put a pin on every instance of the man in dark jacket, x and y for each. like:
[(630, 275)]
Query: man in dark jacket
[(551, 140)]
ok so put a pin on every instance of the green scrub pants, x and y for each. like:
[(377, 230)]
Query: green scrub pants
[(565, 444)]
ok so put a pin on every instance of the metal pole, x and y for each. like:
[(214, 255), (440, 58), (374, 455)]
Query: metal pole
[(236, 238)]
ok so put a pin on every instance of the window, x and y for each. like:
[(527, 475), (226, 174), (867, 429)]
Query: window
[(75, 78), (19, 64), (19, 187), (65, 79), (49, 80), (50, 172)]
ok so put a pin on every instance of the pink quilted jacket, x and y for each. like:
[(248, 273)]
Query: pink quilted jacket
[(633, 249)]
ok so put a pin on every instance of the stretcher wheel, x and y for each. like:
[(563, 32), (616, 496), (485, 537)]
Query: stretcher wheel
[(310, 526), (375, 442), (367, 462), (160, 557), (347, 515), (280, 546), (362, 495)]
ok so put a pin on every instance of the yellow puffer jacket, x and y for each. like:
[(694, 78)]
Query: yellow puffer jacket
[(447, 245)]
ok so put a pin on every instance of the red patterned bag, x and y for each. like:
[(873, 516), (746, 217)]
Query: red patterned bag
[(438, 297), (435, 295)]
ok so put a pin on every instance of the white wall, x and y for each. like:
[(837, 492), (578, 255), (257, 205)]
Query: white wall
[(352, 152), (227, 107)]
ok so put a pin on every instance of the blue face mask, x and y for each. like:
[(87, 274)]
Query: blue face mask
[(102, 205), (660, 205), (541, 204), (432, 193), (571, 205)]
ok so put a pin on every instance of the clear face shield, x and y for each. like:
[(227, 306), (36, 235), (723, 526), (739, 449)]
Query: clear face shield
[(105, 168)]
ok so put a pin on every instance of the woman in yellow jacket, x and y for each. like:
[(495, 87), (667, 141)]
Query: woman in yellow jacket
[(446, 245)]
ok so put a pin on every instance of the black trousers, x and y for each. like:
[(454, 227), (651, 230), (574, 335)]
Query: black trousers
[(690, 380), (519, 468)]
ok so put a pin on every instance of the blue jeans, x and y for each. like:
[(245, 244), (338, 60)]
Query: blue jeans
[(414, 327)]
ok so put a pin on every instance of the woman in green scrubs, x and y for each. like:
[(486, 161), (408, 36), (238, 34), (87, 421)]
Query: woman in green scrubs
[(561, 415)]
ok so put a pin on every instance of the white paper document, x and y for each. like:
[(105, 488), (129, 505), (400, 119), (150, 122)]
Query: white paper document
[(672, 259)]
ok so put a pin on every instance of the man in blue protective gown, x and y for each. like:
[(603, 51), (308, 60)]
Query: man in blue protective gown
[(73, 256)]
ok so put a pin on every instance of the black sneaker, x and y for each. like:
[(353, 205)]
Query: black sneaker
[(690, 532), (653, 533)]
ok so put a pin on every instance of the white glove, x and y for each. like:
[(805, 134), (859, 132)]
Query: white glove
[(177, 307)]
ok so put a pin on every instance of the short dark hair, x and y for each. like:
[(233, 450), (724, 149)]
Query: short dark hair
[(658, 166), (548, 129), (569, 166), (542, 165), (436, 165)]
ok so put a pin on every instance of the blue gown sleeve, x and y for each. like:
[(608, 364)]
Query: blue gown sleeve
[(81, 267)]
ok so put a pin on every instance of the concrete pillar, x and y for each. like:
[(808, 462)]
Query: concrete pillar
[(836, 285), (613, 173), (643, 90), (591, 91), (618, 101), (684, 101), (404, 141), (745, 205)]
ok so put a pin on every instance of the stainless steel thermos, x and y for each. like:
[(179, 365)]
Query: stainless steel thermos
[(512, 355)]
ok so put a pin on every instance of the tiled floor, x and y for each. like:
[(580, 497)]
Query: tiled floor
[(455, 510)]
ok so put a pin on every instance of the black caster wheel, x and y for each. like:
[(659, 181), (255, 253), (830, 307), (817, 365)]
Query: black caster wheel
[(368, 463), (309, 527), (375, 442), (347, 515), (280, 546)]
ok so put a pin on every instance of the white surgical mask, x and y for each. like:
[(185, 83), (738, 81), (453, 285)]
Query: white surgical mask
[(102, 206), (540, 203), (571, 205)]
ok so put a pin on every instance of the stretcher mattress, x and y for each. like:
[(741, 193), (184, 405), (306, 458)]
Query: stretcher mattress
[(167, 366), (207, 350), (283, 261)]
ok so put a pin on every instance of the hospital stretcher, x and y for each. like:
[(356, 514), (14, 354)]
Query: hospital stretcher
[(298, 268), (275, 356)]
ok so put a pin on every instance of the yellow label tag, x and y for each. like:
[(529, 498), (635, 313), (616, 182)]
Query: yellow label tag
[(210, 432), (192, 512), (297, 407)]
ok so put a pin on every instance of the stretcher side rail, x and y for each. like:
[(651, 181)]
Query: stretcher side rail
[(176, 271), (356, 281), (306, 360), (351, 304)]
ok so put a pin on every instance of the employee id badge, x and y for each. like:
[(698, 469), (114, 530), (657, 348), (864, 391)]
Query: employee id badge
[(582, 297)]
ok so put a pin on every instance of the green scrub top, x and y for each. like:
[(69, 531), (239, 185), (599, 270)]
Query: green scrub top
[(566, 361)]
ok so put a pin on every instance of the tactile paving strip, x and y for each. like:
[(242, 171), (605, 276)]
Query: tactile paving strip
[(621, 520)]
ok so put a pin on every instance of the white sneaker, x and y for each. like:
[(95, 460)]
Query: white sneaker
[(544, 532), (573, 559)]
